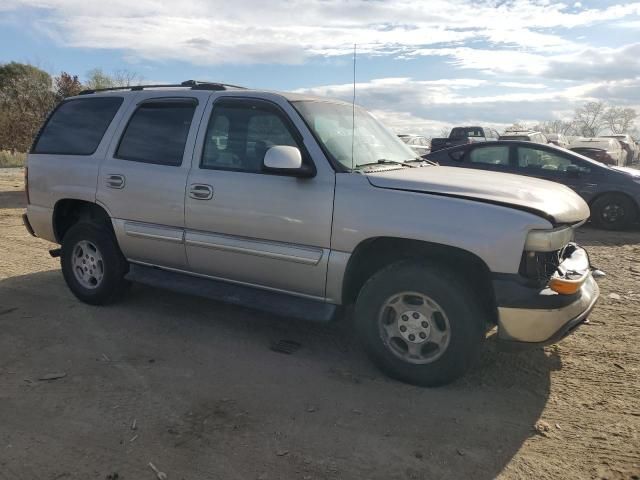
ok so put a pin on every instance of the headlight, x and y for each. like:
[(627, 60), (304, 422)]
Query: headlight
[(548, 240)]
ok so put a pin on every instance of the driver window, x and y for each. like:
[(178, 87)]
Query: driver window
[(534, 159), (240, 133)]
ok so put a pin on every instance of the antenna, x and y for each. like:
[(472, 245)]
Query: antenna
[(353, 108)]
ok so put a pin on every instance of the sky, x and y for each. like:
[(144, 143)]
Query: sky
[(421, 66)]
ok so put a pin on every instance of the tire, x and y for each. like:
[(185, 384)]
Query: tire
[(613, 211), (452, 304), (93, 249)]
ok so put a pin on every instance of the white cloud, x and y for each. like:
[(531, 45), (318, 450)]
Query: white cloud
[(425, 107), (209, 32)]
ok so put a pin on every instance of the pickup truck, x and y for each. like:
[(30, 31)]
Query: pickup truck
[(462, 135), (273, 201)]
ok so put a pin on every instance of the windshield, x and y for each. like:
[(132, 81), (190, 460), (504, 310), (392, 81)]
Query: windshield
[(369, 143), (466, 132)]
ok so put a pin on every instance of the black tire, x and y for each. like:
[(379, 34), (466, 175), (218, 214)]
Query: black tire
[(613, 211), (460, 305), (113, 266)]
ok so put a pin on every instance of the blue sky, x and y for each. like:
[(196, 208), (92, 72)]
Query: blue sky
[(422, 65)]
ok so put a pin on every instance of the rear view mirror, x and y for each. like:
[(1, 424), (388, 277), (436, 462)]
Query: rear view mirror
[(286, 160)]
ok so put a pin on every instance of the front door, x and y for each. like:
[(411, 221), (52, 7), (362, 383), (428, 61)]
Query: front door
[(557, 167), (143, 177), (249, 226)]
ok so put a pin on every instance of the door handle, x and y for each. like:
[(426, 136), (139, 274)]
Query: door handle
[(115, 181), (200, 191)]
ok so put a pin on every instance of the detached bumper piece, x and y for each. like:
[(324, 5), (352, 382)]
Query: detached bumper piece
[(27, 225), (529, 317)]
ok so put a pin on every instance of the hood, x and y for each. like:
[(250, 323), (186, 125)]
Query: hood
[(550, 200)]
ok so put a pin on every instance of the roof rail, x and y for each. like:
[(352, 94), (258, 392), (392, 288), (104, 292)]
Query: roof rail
[(193, 84)]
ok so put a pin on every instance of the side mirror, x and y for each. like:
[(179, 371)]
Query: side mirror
[(286, 160)]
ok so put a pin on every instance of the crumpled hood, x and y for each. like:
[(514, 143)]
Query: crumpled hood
[(553, 201)]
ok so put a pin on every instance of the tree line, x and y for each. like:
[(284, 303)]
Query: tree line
[(593, 119), (28, 94)]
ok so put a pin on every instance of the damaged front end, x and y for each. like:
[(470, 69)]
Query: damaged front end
[(552, 294)]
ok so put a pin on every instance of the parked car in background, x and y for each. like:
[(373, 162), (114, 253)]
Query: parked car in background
[(524, 135), (613, 193), (274, 201), (629, 145), (614, 153), (558, 139), (462, 135), (417, 143)]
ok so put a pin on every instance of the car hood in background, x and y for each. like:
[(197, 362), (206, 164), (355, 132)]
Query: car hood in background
[(553, 201)]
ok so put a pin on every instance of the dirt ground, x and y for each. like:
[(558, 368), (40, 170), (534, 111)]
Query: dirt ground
[(193, 387)]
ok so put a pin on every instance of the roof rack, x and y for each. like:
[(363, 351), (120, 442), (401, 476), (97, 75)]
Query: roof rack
[(193, 84)]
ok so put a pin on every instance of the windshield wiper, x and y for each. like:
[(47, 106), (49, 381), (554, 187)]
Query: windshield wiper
[(423, 160), (384, 161)]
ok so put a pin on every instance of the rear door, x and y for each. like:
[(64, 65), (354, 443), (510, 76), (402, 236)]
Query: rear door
[(143, 177)]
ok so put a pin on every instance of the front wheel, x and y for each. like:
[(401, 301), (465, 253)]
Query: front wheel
[(613, 211), (92, 264), (420, 323)]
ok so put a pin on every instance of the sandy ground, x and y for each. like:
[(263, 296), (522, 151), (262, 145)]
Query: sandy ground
[(193, 387)]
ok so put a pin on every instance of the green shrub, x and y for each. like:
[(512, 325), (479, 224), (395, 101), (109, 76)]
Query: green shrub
[(8, 159)]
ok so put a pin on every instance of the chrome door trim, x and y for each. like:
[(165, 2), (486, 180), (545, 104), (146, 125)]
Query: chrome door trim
[(261, 248), (154, 232), (235, 282)]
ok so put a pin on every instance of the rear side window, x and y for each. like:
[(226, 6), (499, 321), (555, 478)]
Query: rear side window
[(490, 155), (157, 133), (463, 132), (76, 127)]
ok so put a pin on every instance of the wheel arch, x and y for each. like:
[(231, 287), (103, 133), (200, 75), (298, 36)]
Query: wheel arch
[(69, 211), (599, 195), (373, 254)]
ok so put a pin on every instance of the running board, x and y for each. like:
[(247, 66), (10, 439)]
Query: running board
[(265, 300)]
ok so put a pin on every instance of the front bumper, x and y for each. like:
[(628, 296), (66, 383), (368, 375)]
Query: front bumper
[(533, 317)]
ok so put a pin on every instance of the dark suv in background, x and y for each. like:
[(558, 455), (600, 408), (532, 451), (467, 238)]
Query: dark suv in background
[(613, 193), (464, 135)]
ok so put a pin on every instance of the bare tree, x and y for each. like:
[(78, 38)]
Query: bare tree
[(589, 119), (619, 119), (556, 126), (125, 78), (97, 79)]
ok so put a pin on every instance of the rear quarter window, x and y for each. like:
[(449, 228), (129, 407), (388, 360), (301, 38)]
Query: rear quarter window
[(76, 127)]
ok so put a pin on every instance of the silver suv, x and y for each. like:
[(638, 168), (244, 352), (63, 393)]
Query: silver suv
[(281, 202)]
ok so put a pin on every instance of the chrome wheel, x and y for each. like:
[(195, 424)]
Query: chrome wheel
[(414, 327), (88, 265)]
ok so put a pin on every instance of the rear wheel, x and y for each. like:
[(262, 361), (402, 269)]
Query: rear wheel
[(420, 323), (613, 211), (92, 264)]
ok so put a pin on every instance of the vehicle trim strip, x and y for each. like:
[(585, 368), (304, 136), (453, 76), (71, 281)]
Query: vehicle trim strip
[(260, 248), (154, 232)]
